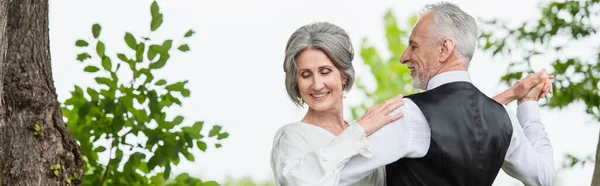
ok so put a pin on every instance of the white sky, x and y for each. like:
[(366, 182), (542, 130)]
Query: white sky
[(236, 76)]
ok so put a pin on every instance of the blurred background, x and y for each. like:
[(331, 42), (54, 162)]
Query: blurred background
[(228, 56)]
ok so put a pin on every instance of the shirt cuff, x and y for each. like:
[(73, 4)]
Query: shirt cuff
[(349, 143), (528, 111)]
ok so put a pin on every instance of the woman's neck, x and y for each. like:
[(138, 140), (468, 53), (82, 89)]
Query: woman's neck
[(332, 121)]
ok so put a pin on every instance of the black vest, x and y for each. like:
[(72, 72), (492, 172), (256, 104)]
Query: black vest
[(470, 134)]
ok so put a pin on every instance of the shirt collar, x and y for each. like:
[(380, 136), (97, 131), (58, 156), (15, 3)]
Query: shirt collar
[(448, 77)]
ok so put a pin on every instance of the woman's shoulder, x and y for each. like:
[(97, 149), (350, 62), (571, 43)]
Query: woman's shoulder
[(292, 127)]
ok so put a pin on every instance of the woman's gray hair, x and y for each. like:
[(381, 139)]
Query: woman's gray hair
[(451, 21), (327, 37)]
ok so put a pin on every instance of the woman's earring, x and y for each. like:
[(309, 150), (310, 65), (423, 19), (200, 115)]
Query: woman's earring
[(344, 95)]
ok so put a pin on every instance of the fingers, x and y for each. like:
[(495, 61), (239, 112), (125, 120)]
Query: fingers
[(393, 106), (394, 117), (545, 90), (537, 90), (531, 80)]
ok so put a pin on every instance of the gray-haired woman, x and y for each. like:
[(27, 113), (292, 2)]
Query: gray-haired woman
[(318, 67)]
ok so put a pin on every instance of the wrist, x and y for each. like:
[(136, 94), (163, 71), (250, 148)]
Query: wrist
[(510, 94), (525, 99), (505, 97)]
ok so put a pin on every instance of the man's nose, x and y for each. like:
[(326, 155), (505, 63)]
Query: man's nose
[(404, 58)]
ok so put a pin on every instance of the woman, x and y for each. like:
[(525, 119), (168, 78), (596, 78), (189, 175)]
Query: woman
[(318, 67)]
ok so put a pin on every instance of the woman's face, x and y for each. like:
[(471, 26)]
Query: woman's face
[(319, 81)]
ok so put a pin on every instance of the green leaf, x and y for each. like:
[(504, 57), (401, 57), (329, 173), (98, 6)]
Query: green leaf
[(214, 131), (81, 43), (157, 17), (143, 167), (106, 63), (122, 57), (197, 127), (167, 171), (100, 149), (105, 81), (201, 145), (152, 51), (91, 69), (130, 40), (189, 156), (178, 120), (56, 172), (189, 33), (83, 56), (109, 105), (85, 109), (160, 82), (161, 62), (93, 94), (100, 49), (154, 106), (141, 98), (139, 52), (184, 48), (179, 86), (223, 136), (185, 93), (96, 30), (156, 22), (166, 46), (218, 145), (118, 123), (154, 9)]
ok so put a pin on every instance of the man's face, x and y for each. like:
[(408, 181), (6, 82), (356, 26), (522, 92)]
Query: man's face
[(421, 56)]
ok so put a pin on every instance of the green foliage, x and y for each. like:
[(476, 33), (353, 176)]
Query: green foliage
[(36, 129), (391, 76), (247, 181), (55, 169), (128, 117), (576, 77)]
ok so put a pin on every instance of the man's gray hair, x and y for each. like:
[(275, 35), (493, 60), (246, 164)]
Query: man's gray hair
[(451, 21), (327, 37)]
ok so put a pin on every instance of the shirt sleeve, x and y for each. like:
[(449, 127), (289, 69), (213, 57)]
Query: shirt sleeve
[(529, 157), (408, 136), (295, 163)]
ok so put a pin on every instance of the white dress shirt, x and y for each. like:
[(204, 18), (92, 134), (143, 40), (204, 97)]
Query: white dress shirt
[(304, 154)]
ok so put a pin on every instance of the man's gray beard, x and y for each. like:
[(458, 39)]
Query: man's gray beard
[(418, 83)]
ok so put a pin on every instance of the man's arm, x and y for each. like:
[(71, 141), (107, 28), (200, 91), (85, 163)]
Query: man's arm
[(529, 157), (408, 136)]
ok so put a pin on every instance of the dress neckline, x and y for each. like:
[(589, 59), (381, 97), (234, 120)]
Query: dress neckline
[(323, 129)]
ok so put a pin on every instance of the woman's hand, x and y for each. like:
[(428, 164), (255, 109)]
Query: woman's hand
[(540, 90), (524, 86), (378, 116)]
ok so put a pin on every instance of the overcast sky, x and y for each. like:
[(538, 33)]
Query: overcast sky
[(235, 67)]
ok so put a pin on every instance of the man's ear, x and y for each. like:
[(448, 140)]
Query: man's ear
[(446, 49)]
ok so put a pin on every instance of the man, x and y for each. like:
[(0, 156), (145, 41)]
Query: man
[(452, 134)]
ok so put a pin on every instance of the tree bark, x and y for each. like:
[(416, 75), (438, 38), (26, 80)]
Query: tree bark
[(28, 98), (596, 175)]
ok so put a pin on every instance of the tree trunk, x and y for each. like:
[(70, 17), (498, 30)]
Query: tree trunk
[(596, 175), (33, 135)]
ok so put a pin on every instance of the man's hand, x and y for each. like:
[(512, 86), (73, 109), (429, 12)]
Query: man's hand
[(524, 86), (540, 90)]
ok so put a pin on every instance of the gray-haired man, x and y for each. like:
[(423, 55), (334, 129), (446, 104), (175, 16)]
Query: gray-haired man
[(452, 134)]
